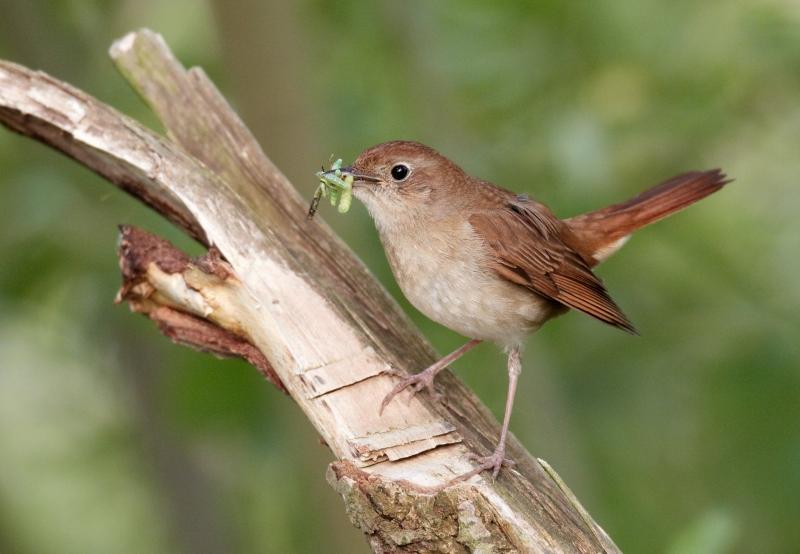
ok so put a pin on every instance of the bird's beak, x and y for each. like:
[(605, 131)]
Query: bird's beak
[(345, 171)]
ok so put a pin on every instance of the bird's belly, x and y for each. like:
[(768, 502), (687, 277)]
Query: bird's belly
[(476, 312), (460, 293)]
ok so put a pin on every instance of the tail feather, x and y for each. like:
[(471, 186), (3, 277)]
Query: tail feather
[(602, 232)]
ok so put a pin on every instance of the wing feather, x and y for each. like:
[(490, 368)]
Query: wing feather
[(528, 248)]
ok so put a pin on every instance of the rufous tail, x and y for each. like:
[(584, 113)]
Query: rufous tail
[(603, 232)]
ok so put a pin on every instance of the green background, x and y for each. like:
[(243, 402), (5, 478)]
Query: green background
[(684, 440)]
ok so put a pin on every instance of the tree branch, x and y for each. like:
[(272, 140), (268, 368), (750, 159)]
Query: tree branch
[(292, 293), (193, 302)]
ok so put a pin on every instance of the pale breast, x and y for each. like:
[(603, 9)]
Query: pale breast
[(444, 274)]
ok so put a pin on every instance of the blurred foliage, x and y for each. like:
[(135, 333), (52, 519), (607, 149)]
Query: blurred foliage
[(685, 440)]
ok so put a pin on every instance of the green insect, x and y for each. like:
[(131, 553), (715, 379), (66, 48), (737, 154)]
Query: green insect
[(331, 183)]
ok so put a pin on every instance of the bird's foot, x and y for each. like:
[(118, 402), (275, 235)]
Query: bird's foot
[(417, 382), (494, 462), (485, 463)]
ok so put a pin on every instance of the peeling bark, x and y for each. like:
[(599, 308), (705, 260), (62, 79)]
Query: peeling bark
[(147, 262), (397, 516), (291, 298)]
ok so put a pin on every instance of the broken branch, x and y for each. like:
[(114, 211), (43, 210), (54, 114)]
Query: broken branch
[(193, 302)]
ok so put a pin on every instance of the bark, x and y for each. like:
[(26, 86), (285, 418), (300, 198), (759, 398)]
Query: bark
[(290, 297)]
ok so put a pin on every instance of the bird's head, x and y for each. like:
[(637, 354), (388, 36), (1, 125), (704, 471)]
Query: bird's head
[(401, 182)]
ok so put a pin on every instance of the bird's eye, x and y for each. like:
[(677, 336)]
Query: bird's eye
[(400, 172)]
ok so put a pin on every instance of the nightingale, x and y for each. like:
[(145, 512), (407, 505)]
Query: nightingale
[(493, 265)]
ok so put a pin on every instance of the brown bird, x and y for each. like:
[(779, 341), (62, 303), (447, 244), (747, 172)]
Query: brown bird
[(493, 265)]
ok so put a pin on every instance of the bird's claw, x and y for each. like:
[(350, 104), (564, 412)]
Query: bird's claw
[(495, 461), (417, 382)]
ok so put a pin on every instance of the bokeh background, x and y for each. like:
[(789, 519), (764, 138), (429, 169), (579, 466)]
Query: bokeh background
[(684, 440)]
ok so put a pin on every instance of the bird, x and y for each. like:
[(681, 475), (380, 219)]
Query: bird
[(494, 265)]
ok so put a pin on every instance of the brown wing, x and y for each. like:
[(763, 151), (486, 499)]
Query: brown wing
[(528, 247)]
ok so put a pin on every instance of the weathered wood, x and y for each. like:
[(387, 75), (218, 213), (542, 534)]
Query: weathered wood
[(193, 302), (310, 307)]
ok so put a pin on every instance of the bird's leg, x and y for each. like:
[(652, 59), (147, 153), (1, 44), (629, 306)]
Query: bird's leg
[(425, 378), (498, 458)]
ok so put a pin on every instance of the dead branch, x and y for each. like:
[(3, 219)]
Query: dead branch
[(193, 302), (293, 299)]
